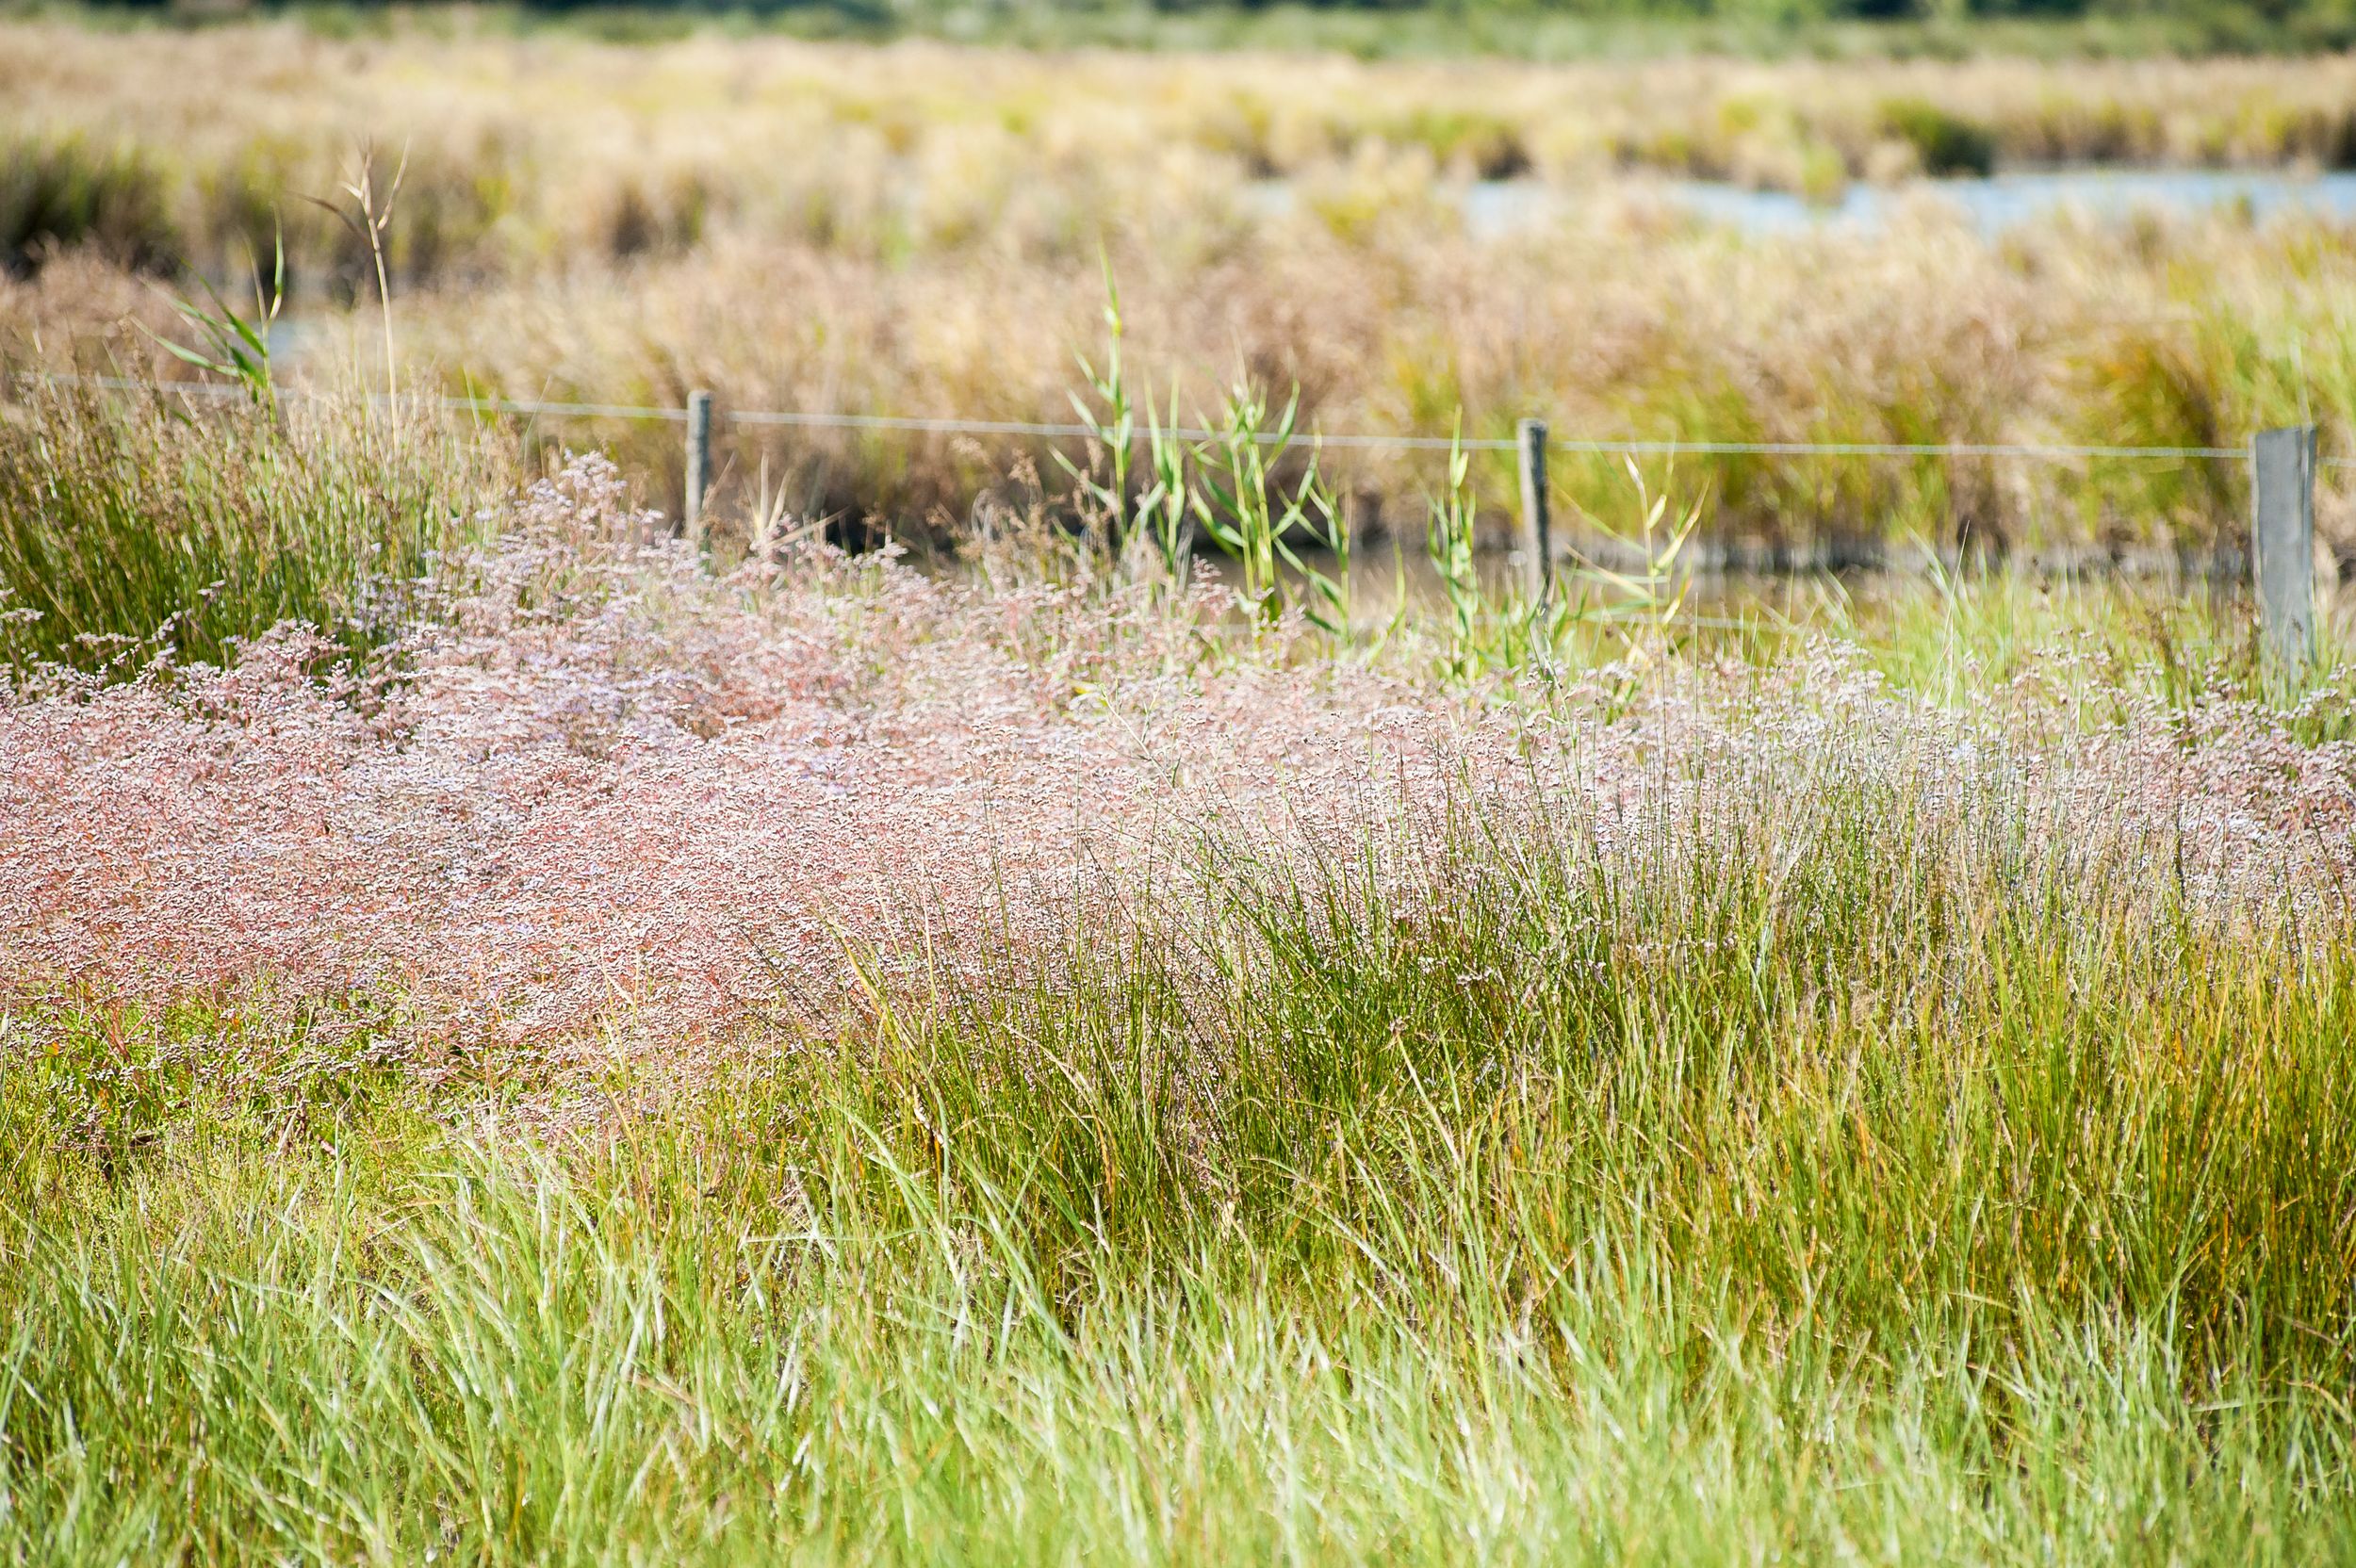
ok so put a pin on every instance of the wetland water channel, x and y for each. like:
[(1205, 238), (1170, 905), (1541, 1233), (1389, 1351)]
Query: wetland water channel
[(1501, 208)]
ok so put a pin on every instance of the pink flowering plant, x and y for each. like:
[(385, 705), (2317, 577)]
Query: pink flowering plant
[(817, 1053), (587, 782)]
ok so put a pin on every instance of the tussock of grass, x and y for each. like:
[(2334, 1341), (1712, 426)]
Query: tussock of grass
[(128, 527), (65, 191)]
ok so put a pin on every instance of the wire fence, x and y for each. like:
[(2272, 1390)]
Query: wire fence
[(2282, 464), (1375, 441)]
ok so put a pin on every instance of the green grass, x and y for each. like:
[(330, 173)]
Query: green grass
[(2108, 641), (1837, 1165), (2111, 643), (1875, 1182), (131, 526), (61, 192)]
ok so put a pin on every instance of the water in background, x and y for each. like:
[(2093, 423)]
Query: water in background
[(2001, 200), (1494, 209)]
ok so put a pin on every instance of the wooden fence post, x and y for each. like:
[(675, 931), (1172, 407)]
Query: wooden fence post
[(698, 464), (2282, 539), (1537, 543)]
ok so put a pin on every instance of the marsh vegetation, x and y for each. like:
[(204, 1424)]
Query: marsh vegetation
[(922, 231), (525, 1039)]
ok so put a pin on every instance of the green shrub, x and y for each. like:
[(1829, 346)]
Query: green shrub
[(1947, 143), (66, 192)]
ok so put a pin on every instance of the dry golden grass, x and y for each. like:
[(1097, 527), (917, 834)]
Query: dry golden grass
[(2188, 335), (917, 229), (545, 148)]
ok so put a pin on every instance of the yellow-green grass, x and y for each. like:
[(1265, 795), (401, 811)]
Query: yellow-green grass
[(146, 525), (1860, 1134), (1841, 1195)]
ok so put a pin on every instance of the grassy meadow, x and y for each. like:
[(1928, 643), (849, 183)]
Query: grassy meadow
[(1197, 1017), (821, 1060)]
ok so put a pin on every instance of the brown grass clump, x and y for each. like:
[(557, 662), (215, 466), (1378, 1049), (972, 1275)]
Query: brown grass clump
[(1629, 325)]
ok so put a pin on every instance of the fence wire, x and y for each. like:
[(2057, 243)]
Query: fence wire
[(954, 425)]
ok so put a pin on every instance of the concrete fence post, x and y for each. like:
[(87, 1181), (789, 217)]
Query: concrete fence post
[(2282, 539), (698, 464), (1537, 542)]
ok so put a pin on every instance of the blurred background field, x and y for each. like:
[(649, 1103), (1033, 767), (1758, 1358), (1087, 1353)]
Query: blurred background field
[(1996, 248)]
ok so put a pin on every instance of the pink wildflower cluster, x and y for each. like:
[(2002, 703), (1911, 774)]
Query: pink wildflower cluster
[(596, 788)]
